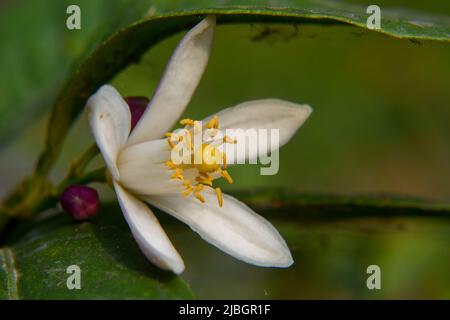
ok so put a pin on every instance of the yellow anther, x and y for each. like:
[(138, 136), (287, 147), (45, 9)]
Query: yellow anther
[(205, 180), (170, 164), (226, 175), (178, 174), (213, 123), (227, 139), (197, 190), (187, 192), (189, 189), (187, 122), (208, 161), (219, 197), (225, 164), (171, 144), (199, 197)]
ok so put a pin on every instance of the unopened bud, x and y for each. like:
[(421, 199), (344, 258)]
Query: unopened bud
[(81, 202), (137, 107)]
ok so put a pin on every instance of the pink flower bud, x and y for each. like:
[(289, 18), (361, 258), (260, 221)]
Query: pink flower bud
[(81, 202), (137, 107)]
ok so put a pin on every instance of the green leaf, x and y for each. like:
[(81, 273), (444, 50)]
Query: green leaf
[(323, 232), (41, 53), (333, 239), (331, 259), (325, 207), (155, 20), (112, 267)]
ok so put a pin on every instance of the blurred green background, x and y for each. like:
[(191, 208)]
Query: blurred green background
[(380, 125)]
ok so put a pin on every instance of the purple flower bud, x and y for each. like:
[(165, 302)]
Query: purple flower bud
[(81, 202), (137, 107)]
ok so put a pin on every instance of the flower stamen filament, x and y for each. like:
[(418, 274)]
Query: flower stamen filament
[(212, 164)]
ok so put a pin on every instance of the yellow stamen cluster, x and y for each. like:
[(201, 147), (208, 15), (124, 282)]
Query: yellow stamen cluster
[(208, 168), (213, 123), (219, 196)]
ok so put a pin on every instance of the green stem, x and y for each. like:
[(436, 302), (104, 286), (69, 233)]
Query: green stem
[(37, 194), (76, 175), (98, 175), (79, 166)]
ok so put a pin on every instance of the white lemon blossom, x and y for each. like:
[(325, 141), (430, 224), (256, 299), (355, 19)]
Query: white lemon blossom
[(141, 170)]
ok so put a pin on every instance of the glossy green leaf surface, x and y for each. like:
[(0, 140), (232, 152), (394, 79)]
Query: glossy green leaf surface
[(111, 265), (333, 240)]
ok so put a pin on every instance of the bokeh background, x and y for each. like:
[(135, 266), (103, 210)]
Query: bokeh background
[(380, 125)]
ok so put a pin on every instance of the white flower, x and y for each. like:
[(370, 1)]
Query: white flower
[(142, 172)]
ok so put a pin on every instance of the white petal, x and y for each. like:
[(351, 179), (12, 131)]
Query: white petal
[(148, 233), (110, 121), (268, 114), (181, 77), (234, 228), (142, 169), (154, 151)]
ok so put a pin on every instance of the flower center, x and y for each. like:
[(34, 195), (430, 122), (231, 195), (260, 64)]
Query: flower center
[(207, 160)]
